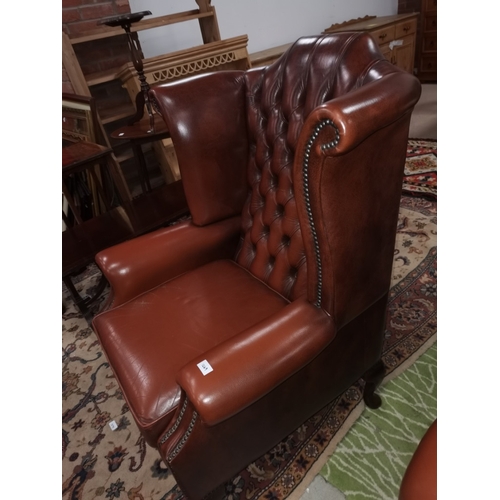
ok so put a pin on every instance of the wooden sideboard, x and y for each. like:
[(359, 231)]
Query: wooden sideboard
[(395, 35)]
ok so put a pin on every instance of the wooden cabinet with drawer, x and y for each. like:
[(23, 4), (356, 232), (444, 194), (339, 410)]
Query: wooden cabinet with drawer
[(395, 36)]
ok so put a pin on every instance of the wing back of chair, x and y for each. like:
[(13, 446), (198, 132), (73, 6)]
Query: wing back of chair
[(279, 100), (247, 131)]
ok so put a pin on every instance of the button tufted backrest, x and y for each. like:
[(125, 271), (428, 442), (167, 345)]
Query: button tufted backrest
[(279, 99)]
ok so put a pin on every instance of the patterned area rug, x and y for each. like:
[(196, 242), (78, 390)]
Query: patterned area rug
[(369, 463), (421, 168), (117, 464)]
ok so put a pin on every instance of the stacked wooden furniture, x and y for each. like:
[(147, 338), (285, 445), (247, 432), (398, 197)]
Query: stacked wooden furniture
[(221, 54), (395, 35), (218, 55), (83, 149), (212, 55), (97, 215)]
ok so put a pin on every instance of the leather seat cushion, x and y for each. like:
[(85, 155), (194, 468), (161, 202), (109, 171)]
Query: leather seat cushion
[(148, 339)]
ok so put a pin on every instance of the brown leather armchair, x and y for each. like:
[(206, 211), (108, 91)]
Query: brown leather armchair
[(229, 330)]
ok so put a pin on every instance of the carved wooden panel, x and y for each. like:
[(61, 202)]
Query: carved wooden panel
[(223, 54)]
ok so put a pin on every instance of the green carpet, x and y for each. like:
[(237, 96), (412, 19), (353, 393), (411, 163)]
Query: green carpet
[(369, 463)]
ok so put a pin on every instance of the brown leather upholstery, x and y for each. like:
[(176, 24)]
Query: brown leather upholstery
[(293, 177), (229, 297), (420, 479)]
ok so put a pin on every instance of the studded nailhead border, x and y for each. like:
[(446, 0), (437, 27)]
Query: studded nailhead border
[(184, 438), (176, 424), (305, 173)]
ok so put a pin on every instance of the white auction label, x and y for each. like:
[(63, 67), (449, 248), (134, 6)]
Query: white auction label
[(205, 367)]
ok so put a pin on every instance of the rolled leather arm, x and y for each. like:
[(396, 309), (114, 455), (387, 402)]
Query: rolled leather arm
[(360, 113), (251, 364), (145, 262)]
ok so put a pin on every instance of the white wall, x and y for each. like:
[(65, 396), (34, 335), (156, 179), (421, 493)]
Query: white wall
[(267, 23)]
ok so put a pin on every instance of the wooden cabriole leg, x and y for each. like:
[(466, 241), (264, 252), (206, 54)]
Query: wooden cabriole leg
[(373, 377)]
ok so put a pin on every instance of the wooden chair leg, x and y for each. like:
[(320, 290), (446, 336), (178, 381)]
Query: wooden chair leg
[(82, 303), (78, 299), (99, 188), (66, 220), (373, 377), (118, 179), (71, 203), (143, 169)]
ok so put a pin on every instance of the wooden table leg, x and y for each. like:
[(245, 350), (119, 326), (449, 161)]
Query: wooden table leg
[(82, 303), (143, 169), (119, 179)]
